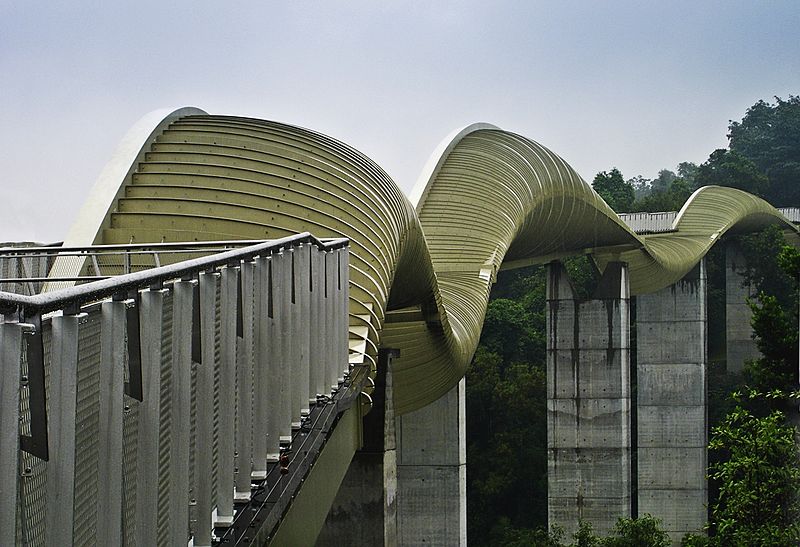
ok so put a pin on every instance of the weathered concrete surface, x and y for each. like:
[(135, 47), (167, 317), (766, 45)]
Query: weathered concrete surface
[(671, 347), (739, 345), (588, 401), (365, 509), (432, 473)]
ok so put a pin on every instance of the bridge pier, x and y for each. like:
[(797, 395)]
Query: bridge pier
[(364, 511), (671, 347), (432, 472), (588, 401), (739, 343)]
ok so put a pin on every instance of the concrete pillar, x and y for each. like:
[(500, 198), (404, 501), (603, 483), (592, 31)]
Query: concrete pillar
[(671, 348), (588, 401), (740, 346), (365, 509), (432, 472)]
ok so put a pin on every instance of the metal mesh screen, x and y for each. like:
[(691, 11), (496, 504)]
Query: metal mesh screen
[(86, 430), (33, 481), (166, 421)]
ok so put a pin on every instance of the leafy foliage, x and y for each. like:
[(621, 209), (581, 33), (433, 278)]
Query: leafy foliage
[(644, 531), (614, 190), (759, 479), (506, 416), (769, 136), (731, 168)]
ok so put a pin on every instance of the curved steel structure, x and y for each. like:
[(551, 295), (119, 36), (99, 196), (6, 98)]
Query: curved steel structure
[(420, 272)]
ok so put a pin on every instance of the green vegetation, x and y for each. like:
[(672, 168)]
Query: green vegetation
[(614, 190), (753, 459), (763, 158), (758, 479)]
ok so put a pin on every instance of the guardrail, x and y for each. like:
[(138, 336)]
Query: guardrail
[(142, 407), (25, 269)]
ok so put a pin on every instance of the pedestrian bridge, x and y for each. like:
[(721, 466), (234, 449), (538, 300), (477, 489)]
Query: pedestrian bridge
[(243, 305)]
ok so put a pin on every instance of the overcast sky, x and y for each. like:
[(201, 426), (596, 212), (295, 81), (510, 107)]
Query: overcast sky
[(636, 85)]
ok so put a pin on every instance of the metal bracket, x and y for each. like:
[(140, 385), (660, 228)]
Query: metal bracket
[(37, 442), (197, 347), (239, 305), (133, 387)]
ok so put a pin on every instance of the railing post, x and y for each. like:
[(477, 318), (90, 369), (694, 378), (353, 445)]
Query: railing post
[(342, 312), (244, 380), (274, 362), (316, 353), (261, 348), (331, 367), (227, 396), (183, 296), (63, 401), (11, 367), (292, 363), (302, 336), (283, 296), (112, 384), (204, 438), (151, 323)]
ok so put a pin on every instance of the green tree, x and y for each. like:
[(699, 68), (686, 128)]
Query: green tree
[(758, 479), (641, 186), (769, 136), (671, 199), (687, 171), (663, 181), (614, 190), (773, 271), (731, 168), (644, 531)]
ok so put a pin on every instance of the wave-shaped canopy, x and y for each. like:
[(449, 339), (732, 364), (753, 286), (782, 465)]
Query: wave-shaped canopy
[(422, 272)]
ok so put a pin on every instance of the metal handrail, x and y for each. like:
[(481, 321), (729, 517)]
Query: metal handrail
[(23, 306), (79, 251)]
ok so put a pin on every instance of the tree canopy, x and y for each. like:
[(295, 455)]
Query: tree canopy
[(769, 136), (614, 190)]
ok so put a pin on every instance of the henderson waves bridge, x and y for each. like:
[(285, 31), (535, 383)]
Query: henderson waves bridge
[(251, 335)]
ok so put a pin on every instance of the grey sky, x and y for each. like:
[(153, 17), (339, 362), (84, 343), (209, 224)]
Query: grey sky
[(637, 85)]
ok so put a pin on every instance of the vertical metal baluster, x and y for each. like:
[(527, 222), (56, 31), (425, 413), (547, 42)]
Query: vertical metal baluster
[(331, 366), (204, 443), (227, 396), (315, 346), (342, 366), (63, 401), (302, 334), (345, 296), (261, 327), (181, 412), (11, 366), (284, 300), (293, 355), (151, 323), (112, 384), (244, 392), (273, 359)]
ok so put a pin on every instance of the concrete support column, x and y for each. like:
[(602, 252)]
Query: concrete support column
[(432, 472), (588, 401), (365, 509), (671, 347), (739, 345)]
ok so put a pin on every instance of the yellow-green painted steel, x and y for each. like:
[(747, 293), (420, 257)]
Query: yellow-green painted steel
[(422, 272)]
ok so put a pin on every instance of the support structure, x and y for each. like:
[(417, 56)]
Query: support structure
[(739, 345), (365, 509), (671, 347), (588, 401), (432, 472)]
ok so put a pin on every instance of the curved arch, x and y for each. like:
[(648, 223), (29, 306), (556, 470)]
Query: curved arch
[(423, 272)]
